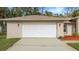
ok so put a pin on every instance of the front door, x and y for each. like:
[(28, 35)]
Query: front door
[(69, 29)]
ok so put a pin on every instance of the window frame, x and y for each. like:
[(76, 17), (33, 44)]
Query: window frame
[(65, 28)]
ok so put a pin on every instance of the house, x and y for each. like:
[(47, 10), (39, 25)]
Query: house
[(41, 26)]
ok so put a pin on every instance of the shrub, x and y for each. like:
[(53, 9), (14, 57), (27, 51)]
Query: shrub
[(75, 34), (2, 33)]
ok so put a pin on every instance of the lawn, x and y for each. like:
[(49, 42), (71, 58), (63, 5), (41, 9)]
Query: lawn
[(6, 43), (74, 45)]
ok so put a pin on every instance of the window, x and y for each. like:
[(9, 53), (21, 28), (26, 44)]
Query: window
[(65, 28)]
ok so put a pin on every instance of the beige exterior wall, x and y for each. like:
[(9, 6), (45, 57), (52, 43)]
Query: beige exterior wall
[(73, 28), (13, 30), (60, 29), (77, 25)]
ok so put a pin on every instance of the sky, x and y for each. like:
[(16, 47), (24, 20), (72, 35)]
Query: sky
[(56, 10)]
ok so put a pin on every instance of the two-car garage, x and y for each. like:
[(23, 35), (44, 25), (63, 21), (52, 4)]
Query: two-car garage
[(39, 29), (34, 26)]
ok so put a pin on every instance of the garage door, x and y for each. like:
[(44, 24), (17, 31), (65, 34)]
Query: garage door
[(39, 29)]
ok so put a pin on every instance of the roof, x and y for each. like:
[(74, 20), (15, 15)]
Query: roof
[(75, 18), (35, 17)]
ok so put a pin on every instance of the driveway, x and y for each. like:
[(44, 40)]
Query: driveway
[(40, 44)]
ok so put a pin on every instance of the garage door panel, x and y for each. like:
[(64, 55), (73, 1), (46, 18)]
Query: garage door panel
[(45, 29)]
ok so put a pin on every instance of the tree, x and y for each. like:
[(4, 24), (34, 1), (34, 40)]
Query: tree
[(48, 13), (75, 13), (60, 15), (42, 10), (36, 11), (3, 14), (17, 12), (69, 10), (30, 10)]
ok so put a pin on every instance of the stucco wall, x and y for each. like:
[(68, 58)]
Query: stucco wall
[(73, 28), (60, 29), (13, 29), (77, 25)]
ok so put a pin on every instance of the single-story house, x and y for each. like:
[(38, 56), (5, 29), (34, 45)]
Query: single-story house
[(41, 26)]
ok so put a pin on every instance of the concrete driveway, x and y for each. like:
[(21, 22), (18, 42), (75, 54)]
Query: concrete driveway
[(40, 44)]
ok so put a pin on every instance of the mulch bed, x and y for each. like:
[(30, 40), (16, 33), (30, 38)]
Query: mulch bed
[(70, 38)]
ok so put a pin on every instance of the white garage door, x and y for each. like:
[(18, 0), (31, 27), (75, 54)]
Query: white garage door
[(39, 29)]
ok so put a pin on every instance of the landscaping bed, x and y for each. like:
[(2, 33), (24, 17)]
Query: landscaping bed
[(71, 38), (74, 45), (6, 43), (74, 36)]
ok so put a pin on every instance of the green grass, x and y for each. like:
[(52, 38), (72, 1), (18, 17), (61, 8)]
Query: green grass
[(74, 45), (6, 43)]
